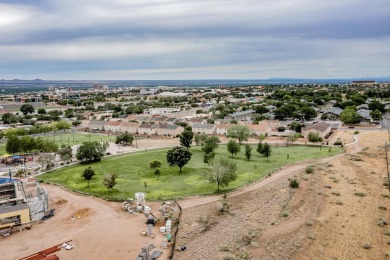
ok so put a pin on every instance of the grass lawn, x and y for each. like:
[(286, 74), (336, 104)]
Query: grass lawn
[(134, 172)]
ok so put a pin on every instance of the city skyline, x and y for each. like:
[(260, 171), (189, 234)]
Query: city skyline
[(189, 39)]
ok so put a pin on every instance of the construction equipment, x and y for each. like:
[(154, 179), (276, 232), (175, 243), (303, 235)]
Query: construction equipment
[(47, 253)]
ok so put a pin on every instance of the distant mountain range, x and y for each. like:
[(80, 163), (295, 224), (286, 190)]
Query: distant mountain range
[(195, 83)]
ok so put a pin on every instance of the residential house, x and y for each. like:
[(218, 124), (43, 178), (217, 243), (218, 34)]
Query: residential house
[(159, 119), (169, 129), (365, 117), (362, 106), (222, 129), (271, 108), (147, 129), (143, 119), (208, 129), (323, 129), (241, 115), (131, 127), (113, 126), (163, 110), (264, 129), (196, 120), (272, 124), (171, 120), (95, 125), (332, 114), (330, 103)]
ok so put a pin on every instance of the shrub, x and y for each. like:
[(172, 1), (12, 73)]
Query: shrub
[(309, 169), (356, 132), (366, 246), (382, 222), (360, 194), (294, 184)]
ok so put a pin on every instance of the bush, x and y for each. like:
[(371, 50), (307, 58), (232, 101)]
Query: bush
[(309, 169), (356, 132), (360, 194), (338, 142), (366, 246), (294, 184)]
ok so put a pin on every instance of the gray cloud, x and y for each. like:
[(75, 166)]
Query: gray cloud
[(194, 39)]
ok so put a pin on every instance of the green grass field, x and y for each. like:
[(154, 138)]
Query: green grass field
[(134, 172)]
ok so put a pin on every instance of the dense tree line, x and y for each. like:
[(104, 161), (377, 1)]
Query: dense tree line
[(28, 144)]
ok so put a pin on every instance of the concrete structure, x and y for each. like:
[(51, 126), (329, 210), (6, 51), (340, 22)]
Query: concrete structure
[(208, 129), (169, 130), (21, 203), (322, 128)]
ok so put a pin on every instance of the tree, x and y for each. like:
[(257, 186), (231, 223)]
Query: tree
[(124, 138), (65, 153), (91, 151), (349, 116), (208, 157), (376, 105), (261, 110), (266, 150), (76, 123), (259, 148), (179, 156), (240, 132), (88, 174), (262, 137), (376, 115), (61, 125), (222, 173), (186, 138), (27, 109), (200, 139), (13, 144), (292, 137), (155, 164), (9, 118), (27, 143), (248, 151), (41, 111), (314, 137), (296, 126), (110, 180), (233, 147), (211, 144)]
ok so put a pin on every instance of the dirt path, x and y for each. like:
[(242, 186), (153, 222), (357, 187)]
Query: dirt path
[(284, 171)]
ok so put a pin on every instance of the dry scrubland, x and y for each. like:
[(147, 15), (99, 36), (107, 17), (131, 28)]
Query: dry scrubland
[(334, 214)]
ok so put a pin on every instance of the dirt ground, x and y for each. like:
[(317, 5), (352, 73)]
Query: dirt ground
[(334, 214), (100, 230)]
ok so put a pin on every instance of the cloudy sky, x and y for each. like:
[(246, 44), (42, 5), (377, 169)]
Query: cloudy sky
[(194, 39)]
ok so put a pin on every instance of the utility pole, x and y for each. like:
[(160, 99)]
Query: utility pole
[(387, 165)]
